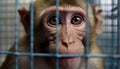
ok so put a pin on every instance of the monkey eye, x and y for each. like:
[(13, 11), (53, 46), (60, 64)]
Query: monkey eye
[(76, 20), (52, 20)]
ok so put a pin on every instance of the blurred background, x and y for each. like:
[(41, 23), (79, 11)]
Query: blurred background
[(108, 40)]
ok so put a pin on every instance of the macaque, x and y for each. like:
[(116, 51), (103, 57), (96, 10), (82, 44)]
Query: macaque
[(71, 32)]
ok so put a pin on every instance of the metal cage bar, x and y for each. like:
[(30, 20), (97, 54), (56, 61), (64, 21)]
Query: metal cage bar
[(31, 34), (118, 28), (87, 34), (57, 34), (112, 38), (16, 36)]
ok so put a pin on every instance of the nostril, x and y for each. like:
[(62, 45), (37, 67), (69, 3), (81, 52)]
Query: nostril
[(71, 42), (65, 43)]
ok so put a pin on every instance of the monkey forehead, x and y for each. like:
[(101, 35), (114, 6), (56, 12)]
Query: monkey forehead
[(64, 9)]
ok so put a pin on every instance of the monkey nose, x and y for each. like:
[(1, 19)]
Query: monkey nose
[(66, 41)]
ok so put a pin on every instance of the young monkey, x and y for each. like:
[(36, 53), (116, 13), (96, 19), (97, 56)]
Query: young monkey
[(72, 36)]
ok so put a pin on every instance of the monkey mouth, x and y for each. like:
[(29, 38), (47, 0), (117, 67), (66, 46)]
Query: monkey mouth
[(69, 61), (66, 59)]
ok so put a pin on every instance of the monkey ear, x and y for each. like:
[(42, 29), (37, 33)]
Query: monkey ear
[(98, 19), (25, 19)]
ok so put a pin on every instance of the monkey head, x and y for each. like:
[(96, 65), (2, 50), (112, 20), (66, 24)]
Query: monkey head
[(71, 28)]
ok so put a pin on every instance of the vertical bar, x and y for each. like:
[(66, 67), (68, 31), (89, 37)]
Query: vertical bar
[(31, 34), (87, 34), (16, 34), (57, 34), (118, 28), (112, 36)]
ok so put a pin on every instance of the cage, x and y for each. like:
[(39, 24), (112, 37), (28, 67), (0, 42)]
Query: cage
[(11, 30)]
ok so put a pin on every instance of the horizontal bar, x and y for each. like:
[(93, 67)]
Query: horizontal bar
[(63, 55)]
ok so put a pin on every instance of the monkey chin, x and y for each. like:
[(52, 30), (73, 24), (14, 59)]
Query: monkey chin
[(69, 63)]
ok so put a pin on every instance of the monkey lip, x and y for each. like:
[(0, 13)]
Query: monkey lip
[(69, 60)]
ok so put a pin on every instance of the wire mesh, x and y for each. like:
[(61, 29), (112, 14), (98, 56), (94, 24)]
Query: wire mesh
[(11, 30)]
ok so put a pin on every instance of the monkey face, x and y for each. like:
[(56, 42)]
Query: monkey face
[(71, 32)]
